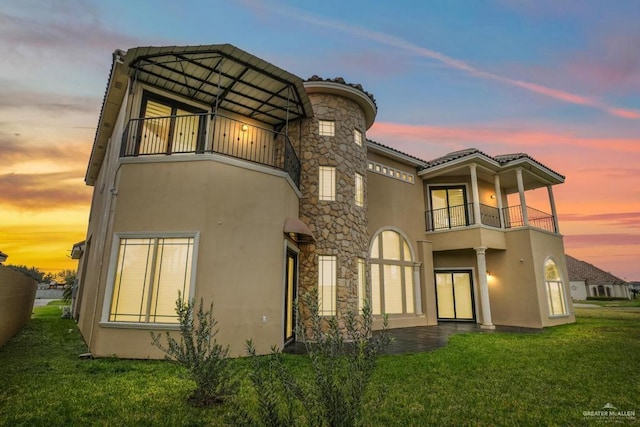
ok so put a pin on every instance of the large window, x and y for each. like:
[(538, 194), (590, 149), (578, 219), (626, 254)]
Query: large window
[(555, 289), (167, 126), (327, 285), (359, 193), (391, 274), (326, 127), (327, 183), (448, 208), (149, 274)]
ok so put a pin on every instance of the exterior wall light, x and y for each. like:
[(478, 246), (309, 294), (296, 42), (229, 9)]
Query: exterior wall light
[(244, 128)]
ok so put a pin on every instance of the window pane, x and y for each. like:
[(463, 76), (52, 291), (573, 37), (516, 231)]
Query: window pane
[(326, 285), (133, 274), (551, 271), (392, 289), (376, 306), (375, 248), (359, 190), (444, 290), (173, 272), (438, 199), (556, 298), (154, 133), (326, 127), (362, 283), (185, 134), (391, 245), (407, 252), (408, 290), (357, 137), (462, 290), (456, 196), (327, 186)]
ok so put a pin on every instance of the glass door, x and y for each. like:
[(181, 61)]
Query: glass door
[(454, 295), (448, 207), (290, 296)]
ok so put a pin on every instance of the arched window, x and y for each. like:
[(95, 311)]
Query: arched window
[(391, 274), (555, 289)]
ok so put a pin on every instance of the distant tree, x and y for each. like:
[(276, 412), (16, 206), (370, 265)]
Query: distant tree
[(67, 277), (33, 272)]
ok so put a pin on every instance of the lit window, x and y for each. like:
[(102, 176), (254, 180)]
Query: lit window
[(555, 289), (326, 285), (327, 183), (357, 137), (149, 274), (327, 127), (391, 274), (362, 283), (370, 166), (377, 168), (359, 190)]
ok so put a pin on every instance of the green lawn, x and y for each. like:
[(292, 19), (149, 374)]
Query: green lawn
[(548, 378)]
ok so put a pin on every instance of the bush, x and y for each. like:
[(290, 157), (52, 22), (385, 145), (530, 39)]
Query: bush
[(607, 299), (343, 358), (206, 360)]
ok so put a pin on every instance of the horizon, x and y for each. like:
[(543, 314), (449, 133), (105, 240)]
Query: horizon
[(560, 82)]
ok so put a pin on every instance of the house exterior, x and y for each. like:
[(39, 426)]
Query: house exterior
[(221, 176), (587, 280)]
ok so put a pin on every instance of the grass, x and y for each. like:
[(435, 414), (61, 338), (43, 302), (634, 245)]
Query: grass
[(548, 378), (616, 303)]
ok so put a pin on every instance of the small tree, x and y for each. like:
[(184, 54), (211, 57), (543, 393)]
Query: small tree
[(343, 360), (197, 350)]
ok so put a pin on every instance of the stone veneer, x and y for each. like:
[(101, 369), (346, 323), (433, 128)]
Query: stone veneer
[(340, 227)]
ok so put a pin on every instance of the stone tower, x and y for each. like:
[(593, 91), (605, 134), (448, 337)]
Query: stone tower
[(339, 223)]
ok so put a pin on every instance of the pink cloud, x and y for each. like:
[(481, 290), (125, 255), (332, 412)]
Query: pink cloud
[(456, 64), (615, 218), (604, 239)]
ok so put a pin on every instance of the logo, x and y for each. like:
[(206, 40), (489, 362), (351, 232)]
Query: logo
[(609, 414)]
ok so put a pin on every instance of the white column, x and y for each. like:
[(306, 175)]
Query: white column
[(552, 202), (523, 200), (476, 195), (417, 292), (496, 183), (485, 302)]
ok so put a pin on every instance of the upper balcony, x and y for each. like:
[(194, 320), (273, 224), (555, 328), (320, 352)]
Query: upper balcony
[(505, 218), (227, 101), (208, 133)]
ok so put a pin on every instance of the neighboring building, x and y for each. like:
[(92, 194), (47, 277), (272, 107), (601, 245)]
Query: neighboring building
[(224, 177), (587, 280)]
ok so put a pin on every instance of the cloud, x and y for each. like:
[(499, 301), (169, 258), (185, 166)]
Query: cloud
[(14, 150), (44, 191), (615, 218), (456, 64), (464, 136), (603, 239), (15, 98)]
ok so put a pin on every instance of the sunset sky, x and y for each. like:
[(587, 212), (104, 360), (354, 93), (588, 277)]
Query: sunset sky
[(558, 80)]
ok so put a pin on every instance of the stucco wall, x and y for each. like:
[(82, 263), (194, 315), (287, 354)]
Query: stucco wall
[(399, 204), (239, 215), (17, 293)]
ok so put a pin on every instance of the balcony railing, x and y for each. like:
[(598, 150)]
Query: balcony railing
[(210, 133), (463, 216)]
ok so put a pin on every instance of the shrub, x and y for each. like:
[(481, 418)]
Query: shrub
[(343, 358), (206, 360)]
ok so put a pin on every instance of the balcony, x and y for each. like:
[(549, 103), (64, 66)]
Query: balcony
[(455, 217), (210, 133)]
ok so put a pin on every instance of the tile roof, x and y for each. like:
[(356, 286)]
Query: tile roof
[(592, 275), (417, 159), (454, 156), (316, 78)]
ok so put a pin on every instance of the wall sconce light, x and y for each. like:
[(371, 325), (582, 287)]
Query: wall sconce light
[(493, 196), (244, 128)]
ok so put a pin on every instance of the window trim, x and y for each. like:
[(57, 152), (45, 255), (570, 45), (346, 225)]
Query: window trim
[(359, 190), (357, 137), (334, 294), (403, 263), (113, 261), (323, 127), (361, 264), (561, 281), (322, 194)]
